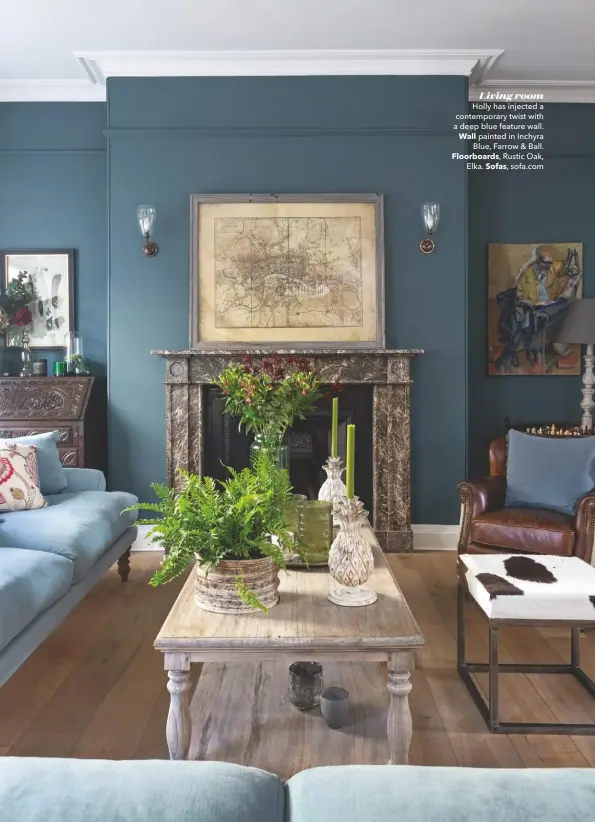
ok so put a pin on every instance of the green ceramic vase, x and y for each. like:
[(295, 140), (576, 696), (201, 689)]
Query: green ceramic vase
[(315, 530)]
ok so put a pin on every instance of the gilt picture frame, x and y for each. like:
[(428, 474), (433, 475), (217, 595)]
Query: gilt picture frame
[(286, 271), (53, 274)]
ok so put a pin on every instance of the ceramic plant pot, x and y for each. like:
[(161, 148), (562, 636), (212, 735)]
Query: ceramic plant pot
[(216, 590)]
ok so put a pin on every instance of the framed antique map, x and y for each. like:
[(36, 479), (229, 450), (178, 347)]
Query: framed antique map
[(287, 270)]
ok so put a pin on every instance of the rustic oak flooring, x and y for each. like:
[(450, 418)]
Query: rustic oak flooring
[(96, 687)]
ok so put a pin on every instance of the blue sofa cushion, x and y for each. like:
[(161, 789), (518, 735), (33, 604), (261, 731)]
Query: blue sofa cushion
[(52, 479), (383, 793), (80, 527), (29, 583), (545, 472), (84, 479), (78, 790)]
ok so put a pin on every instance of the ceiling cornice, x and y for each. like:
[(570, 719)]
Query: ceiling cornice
[(554, 91), (472, 63), (476, 64), (50, 91)]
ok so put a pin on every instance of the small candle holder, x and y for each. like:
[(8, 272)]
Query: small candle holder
[(333, 488), (305, 684), (351, 561)]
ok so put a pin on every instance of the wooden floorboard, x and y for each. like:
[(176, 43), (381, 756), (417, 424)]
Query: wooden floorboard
[(96, 687)]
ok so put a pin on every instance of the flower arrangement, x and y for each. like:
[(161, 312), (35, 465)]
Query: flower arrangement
[(16, 300), (268, 394)]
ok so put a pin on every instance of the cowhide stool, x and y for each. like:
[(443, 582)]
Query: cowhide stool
[(518, 589)]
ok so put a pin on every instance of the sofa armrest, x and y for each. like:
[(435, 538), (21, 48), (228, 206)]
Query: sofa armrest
[(478, 498), (585, 527), (84, 479)]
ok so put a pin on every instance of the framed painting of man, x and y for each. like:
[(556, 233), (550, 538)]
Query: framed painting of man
[(530, 286)]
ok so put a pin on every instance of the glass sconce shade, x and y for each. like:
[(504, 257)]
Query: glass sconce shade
[(146, 216), (430, 213), (146, 219)]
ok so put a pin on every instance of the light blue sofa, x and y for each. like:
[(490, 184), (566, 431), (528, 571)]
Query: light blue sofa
[(70, 790), (51, 557)]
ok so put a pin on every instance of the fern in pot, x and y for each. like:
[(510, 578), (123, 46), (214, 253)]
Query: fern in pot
[(231, 529)]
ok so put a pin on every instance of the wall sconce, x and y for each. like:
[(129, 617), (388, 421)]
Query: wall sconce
[(430, 213), (146, 220)]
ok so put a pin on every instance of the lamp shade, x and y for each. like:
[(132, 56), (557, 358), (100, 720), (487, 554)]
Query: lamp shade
[(578, 325)]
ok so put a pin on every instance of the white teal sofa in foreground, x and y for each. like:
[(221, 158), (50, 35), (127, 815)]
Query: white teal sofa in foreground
[(71, 790), (51, 557)]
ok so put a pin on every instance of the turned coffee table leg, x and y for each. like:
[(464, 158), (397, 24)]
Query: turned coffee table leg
[(400, 729), (178, 719)]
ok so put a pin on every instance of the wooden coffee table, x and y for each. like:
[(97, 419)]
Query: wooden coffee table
[(304, 625)]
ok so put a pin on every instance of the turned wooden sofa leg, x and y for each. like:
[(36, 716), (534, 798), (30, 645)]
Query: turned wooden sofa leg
[(124, 565)]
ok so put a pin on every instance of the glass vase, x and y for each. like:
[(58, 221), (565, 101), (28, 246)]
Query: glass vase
[(291, 523), (73, 352), (291, 513), (26, 359), (305, 684), (275, 445), (315, 531)]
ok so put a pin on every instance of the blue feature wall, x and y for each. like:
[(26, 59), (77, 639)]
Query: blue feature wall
[(169, 138), (556, 204), (53, 194)]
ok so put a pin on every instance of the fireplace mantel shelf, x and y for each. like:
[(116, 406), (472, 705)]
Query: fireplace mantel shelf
[(312, 352), (388, 370)]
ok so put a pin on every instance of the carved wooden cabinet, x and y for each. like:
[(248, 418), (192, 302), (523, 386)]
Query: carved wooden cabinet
[(74, 406)]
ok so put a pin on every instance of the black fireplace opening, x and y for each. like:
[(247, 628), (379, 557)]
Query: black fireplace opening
[(225, 444)]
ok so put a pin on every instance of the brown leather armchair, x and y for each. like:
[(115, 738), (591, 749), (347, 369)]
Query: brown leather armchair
[(488, 527)]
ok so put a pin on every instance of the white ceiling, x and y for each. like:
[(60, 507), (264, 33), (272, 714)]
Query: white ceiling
[(544, 41)]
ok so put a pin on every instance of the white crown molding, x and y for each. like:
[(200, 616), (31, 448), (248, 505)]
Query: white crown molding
[(473, 63), (467, 62), (50, 91), (554, 91)]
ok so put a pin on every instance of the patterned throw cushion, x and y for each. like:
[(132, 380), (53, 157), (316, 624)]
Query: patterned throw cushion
[(19, 478), (52, 478)]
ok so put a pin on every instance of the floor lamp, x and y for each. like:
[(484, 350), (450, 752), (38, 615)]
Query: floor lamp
[(578, 326)]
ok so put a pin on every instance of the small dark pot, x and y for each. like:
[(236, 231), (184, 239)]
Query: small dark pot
[(334, 706), (305, 685)]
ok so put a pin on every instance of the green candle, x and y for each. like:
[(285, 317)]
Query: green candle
[(350, 460), (335, 426)]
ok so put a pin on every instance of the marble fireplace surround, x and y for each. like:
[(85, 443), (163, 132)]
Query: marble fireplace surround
[(388, 370)]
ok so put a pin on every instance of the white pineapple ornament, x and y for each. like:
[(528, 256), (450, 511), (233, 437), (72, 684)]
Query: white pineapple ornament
[(333, 488), (351, 561)]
